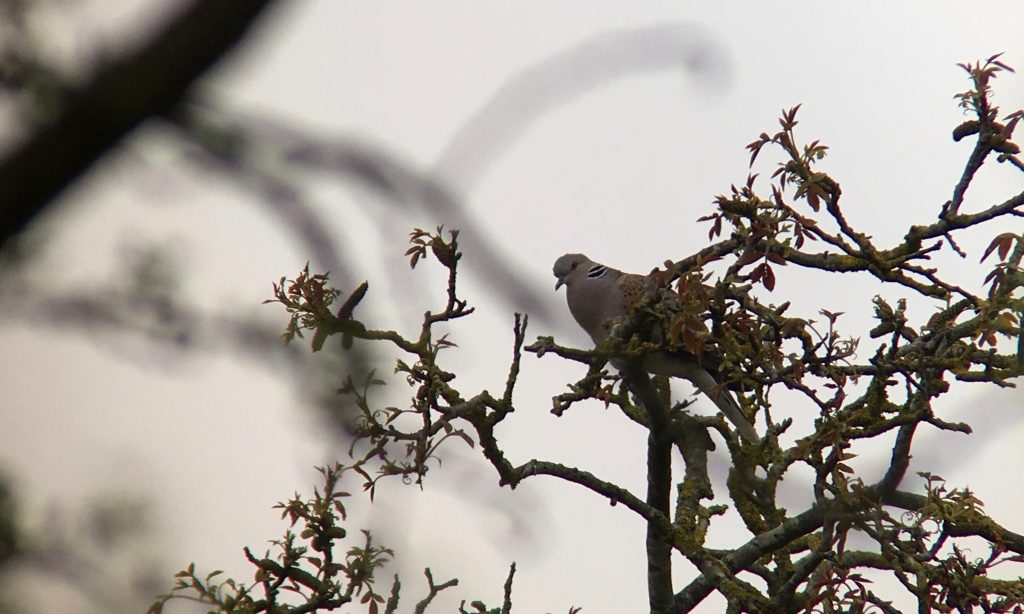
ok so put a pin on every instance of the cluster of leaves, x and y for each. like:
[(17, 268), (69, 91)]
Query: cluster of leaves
[(977, 101), (304, 576), (308, 300), (305, 566), (802, 558)]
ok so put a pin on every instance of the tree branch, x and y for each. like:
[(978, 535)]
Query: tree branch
[(93, 118)]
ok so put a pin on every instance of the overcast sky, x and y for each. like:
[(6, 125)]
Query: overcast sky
[(562, 127)]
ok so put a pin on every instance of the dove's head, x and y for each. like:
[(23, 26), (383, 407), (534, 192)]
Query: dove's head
[(571, 268)]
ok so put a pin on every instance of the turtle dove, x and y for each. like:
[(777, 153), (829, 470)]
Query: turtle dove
[(598, 295)]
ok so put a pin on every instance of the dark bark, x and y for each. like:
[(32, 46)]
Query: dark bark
[(94, 117)]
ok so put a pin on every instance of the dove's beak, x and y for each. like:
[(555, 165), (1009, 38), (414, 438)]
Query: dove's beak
[(559, 283)]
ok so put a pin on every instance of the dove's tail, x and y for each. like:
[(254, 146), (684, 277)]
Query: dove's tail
[(697, 375)]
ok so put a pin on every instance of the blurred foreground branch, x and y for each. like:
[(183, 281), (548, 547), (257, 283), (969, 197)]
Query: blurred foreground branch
[(92, 118)]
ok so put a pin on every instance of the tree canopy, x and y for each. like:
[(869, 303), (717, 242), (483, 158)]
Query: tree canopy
[(808, 384)]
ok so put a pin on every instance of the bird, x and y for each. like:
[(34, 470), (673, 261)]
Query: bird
[(599, 295)]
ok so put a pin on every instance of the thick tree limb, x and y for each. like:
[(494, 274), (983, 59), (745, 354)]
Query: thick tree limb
[(659, 483), (93, 118)]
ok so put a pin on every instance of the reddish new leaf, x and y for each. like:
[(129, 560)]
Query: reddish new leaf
[(1003, 242)]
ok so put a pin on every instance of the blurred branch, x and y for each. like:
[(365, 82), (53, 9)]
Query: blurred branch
[(120, 318), (557, 80), (240, 143), (236, 149), (94, 117)]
